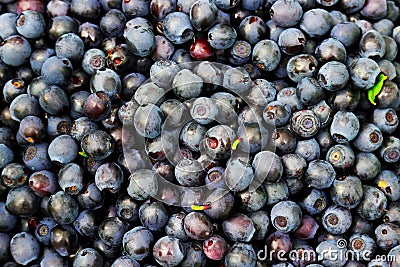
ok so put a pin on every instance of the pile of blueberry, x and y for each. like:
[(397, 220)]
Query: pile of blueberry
[(235, 133)]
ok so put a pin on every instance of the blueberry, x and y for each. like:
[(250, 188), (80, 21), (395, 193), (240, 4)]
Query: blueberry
[(292, 41), (361, 225), (391, 48), (142, 183), (392, 253), (387, 235), (88, 257), (198, 226), (15, 50), (314, 202), (63, 207), (97, 106), (140, 41), (43, 183), (261, 93), (127, 208), (373, 203), (137, 242), (329, 260), (389, 151), (24, 248), (53, 100), (305, 123), (320, 174), (389, 96), (177, 27), (369, 138), (336, 219), (266, 55), (347, 191), (363, 73), (307, 229), (386, 120), (278, 241), (91, 198), (112, 230), (70, 178), (125, 261), (153, 215), (274, 30), (241, 254), (97, 144), (4, 247), (252, 29), (175, 226), (189, 172), (192, 135), (345, 126), (240, 53), (131, 82), (168, 251), (163, 49), (372, 45), (289, 97), (388, 182), (30, 24), (106, 81), (301, 66), (93, 59), (14, 175), (331, 50), (8, 221), (276, 192), (286, 13), (313, 29), (221, 204), (251, 200), (8, 27), (215, 247), (63, 239), (86, 223), (57, 71), (238, 175), (109, 176), (218, 140), (333, 76), (277, 113), (222, 36), (284, 140), (360, 243), (90, 34), (227, 104), (239, 227), (58, 151), (308, 149), (203, 15), (309, 91), (136, 8), (85, 9), (346, 33), (237, 80), (286, 216), (340, 156), (24, 105)]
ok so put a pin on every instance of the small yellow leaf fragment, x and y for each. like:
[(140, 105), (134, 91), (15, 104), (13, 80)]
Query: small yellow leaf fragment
[(236, 143), (382, 184), (200, 208), (83, 154)]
